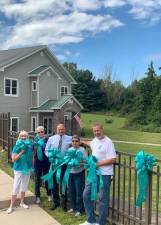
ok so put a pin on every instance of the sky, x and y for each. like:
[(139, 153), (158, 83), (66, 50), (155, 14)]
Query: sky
[(98, 35)]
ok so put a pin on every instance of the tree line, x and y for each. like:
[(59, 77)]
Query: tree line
[(140, 102)]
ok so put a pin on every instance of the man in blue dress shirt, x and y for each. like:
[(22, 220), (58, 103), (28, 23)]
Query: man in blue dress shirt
[(62, 141)]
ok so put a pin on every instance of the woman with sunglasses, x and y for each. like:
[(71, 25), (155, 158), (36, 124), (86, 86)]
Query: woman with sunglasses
[(77, 180), (41, 162)]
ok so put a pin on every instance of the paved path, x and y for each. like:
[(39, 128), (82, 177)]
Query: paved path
[(32, 216), (127, 142)]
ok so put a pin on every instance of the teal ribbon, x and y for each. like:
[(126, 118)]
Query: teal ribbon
[(93, 175), (55, 159), (26, 156), (143, 163), (39, 143), (72, 159)]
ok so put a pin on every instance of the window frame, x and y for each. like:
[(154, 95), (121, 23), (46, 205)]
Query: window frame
[(34, 82), (18, 122), (33, 117), (17, 87), (65, 87)]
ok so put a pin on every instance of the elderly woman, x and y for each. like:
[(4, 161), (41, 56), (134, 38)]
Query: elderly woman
[(22, 165), (41, 163)]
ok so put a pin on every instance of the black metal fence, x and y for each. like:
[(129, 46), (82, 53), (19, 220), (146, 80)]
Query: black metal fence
[(4, 128), (124, 188)]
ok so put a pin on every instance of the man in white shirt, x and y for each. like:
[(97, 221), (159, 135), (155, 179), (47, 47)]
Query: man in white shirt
[(61, 141), (103, 149)]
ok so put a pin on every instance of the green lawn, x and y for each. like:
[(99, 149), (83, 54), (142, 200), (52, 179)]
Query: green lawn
[(116, 131)]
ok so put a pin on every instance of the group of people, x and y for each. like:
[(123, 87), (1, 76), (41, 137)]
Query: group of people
[(27, 155)]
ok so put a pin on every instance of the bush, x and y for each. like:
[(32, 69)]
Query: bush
[(108, 120)]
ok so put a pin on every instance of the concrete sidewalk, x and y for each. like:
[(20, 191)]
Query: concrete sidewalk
[(32, 216)]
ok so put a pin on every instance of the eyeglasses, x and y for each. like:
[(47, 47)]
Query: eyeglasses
[(40, 132), (75, 141)]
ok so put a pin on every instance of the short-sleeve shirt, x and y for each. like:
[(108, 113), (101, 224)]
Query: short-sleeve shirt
[(103, 149)]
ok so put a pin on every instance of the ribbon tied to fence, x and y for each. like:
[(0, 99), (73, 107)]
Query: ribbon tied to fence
[(144, 164)]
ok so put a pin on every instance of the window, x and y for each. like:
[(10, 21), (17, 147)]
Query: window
[(14, 125), (33, 123), (34, 86), (64, 90), (10, 87)]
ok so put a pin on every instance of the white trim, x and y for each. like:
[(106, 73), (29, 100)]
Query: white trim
[(33, 117), (11, 79), (24, 57), (61, 91), (48, 117), (60, 66), (18, 122), (37, 115), (38, 92), (32, 84)]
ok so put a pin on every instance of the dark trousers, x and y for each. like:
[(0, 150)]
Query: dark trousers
[(58, 188), (76, 187), (39, 172)]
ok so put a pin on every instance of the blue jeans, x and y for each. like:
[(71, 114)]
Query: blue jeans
[(104, 196), (76, 187)]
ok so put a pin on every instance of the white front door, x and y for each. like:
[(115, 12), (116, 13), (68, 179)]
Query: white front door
[(48, 125)]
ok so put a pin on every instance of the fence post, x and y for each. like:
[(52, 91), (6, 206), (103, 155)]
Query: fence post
[(148, 203), (8, 135)]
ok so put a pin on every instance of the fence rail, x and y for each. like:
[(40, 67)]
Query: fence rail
[(124, 188)]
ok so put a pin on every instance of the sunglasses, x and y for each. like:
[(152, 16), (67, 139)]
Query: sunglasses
[(75, 141), (40, 132)]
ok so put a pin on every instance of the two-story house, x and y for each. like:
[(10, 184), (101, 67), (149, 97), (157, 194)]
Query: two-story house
[(36, 89)]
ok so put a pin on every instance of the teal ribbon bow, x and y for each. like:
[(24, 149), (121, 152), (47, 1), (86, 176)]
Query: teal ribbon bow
[(39, 143), (143, 163), (93, 174), (72, 159), (26, 156), (55, 159)]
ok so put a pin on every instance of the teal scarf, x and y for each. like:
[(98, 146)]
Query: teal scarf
[(93, 174), (144, 164), (72, 159), (39, 143), (26, 156), (55, 159)]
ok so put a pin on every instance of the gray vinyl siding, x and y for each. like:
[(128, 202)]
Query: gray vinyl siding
[(19, 106), (47, 87)]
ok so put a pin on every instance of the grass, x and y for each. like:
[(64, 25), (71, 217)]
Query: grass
[(116, 131), (62, 217)]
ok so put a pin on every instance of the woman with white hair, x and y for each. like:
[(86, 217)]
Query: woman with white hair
[(41, 162), (22, 166)]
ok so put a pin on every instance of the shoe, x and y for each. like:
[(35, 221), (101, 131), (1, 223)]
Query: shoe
[(78, 214), (49, 198), (9, 210), (54, 207), (24, 206), (87, 223), (37, 200), (70, 211)]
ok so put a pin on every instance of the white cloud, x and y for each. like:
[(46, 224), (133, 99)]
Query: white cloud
[(29, 22), (114, 3)]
